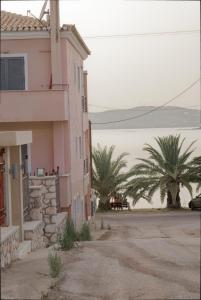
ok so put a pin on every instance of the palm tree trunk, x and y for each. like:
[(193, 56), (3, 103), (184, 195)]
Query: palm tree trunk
[(104, 203), (170, 203)]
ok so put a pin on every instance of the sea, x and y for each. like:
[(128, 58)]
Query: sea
[(132, 141)]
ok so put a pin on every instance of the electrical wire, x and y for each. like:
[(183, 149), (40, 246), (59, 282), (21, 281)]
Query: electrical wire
[(141, 34), (152, 110), (137, 108)]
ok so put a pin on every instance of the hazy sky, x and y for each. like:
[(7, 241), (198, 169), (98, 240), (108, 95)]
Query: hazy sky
[(137, 70)]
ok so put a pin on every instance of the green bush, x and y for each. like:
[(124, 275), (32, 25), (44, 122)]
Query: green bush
[(54, 261), (85, 233), (69, 236)]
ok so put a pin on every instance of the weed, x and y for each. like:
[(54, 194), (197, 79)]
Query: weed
[(69, 236), (85, 233), (54, 261)]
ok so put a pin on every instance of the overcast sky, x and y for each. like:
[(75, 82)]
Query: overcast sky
[(136, 70)]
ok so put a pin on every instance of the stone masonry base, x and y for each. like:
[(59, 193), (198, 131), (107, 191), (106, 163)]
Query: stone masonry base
[(9, 245)]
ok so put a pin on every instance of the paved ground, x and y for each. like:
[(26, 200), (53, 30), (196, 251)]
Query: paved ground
[(144, 256), (27, 278)]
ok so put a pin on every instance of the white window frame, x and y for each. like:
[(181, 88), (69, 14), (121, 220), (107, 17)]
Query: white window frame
[(24, 55)]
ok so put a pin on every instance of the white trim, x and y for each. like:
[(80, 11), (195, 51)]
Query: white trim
[(24, 55), (21, 35), (75, 43)]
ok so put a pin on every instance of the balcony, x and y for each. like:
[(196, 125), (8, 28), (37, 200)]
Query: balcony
[(27, 106)]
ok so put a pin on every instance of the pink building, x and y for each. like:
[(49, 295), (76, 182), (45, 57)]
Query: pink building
[(44, 90)]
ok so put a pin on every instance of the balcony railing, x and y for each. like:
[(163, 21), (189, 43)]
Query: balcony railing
[(43, 105)]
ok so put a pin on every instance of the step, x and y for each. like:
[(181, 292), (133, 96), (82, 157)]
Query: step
[(24, 249)]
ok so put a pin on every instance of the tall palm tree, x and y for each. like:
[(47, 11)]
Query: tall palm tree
[(197, 169), (108, 179), (167, 169)]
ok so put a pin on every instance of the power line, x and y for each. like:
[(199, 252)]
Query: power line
[(152, 110), (137, 108), (141, 34)]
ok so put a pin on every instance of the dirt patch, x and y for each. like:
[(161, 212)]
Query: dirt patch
[(105, 236)]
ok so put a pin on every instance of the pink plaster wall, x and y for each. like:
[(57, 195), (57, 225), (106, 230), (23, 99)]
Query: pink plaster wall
[(76, 121), (38, 59), (54, 143), (42, 142)]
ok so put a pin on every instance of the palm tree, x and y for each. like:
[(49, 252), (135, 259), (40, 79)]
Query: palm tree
[(107, 177), (167, 169), (197, 169)]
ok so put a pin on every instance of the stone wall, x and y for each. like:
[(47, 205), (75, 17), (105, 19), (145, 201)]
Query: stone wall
[(9, 245), (35, 203), (33, 231), (46, 197)]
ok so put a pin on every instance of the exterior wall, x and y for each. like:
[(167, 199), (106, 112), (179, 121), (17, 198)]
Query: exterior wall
[(49, 149), (54, 143), (38, 60), (33, 106), (76, 131), (42, 145)]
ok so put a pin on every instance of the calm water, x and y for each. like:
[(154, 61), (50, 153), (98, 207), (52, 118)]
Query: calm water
[(133, 140)]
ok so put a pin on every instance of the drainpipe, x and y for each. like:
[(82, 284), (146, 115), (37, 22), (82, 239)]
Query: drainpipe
[(56, 77)]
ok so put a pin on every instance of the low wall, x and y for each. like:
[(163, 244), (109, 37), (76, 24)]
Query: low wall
[(33, 231), (9, 245), (44, 206)]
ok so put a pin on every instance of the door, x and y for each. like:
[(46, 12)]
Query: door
[(2, 204)]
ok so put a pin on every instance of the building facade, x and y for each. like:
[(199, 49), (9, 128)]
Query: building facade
[(44, 90)]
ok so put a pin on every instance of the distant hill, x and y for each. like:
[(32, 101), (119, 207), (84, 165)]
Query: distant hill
[(166, 117)]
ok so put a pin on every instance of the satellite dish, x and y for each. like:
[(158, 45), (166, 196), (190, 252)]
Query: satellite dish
[(43, 10)]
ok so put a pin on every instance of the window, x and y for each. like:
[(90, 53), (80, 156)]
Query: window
[(84, 104), (78, 78), (86, 166), (12, 73)]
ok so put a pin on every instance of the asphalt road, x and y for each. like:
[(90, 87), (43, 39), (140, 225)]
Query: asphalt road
[(144, 256)]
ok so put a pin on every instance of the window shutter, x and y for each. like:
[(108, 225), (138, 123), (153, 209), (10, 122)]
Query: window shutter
[(16, 78), (4, 74)]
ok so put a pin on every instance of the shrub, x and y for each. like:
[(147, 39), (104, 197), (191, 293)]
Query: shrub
[(54, 261), (85, 233), (69, 236)]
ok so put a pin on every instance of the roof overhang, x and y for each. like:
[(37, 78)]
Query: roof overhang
[(15, 138), (71, 36)]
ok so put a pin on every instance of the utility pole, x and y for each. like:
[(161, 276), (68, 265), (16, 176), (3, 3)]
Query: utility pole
[(55, 44)]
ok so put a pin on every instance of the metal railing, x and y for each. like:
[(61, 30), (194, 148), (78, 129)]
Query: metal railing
[(26, 207), (2, 192)]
